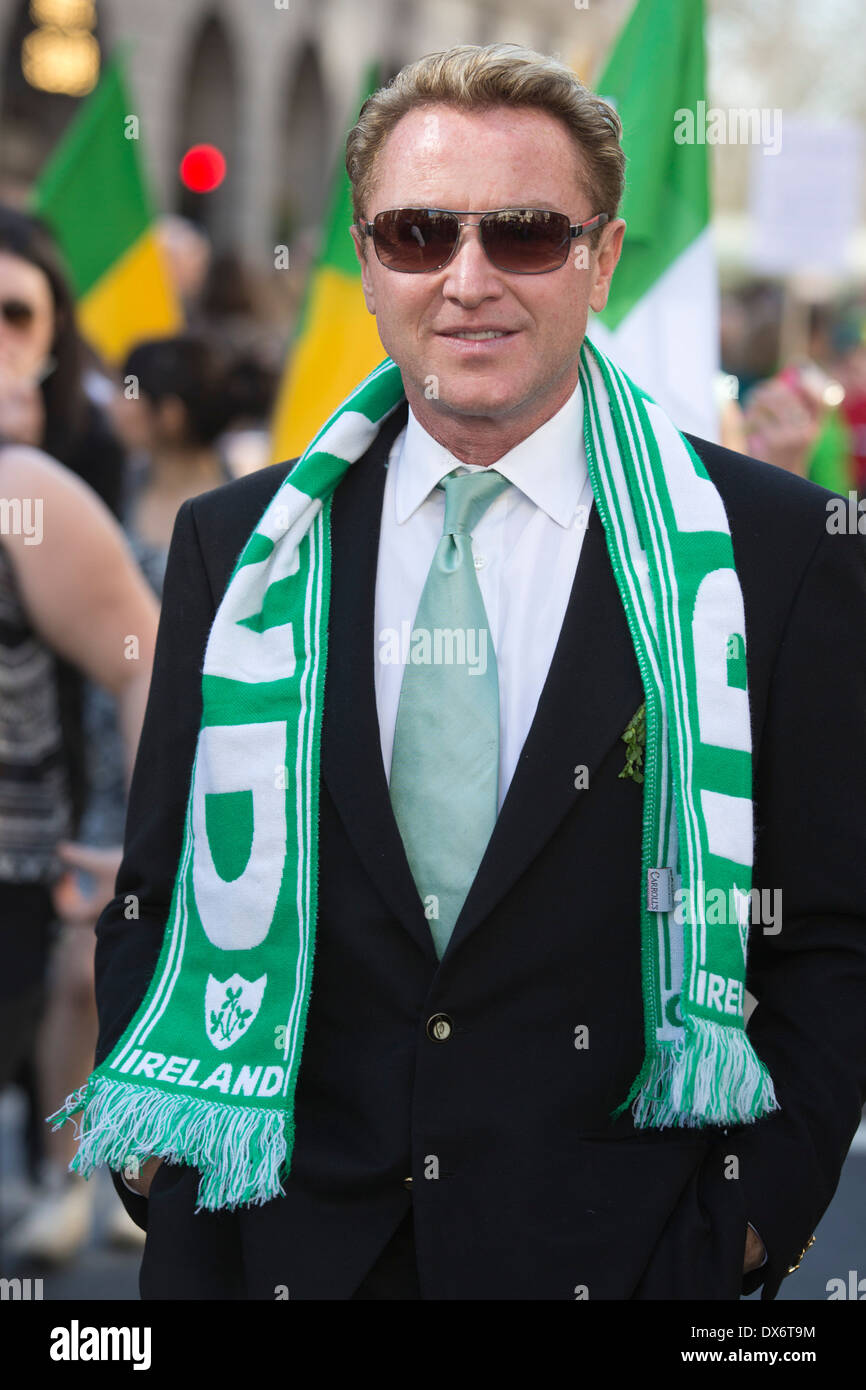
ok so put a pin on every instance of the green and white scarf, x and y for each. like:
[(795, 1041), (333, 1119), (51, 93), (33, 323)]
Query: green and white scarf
[(206, 1072)]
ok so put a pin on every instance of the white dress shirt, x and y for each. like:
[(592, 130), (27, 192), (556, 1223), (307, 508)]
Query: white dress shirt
[(526, 549)]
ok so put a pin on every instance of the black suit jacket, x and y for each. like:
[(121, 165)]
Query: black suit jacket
[(522, 1187)]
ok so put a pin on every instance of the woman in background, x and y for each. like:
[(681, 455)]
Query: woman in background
[(53, 397), (70, 589)]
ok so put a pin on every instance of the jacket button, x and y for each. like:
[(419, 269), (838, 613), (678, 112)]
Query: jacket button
[(439, 1027)]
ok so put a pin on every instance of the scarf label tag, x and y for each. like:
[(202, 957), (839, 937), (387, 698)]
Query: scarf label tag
[(660, 890)]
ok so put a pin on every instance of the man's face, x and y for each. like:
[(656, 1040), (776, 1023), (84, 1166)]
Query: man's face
[(440, 157)]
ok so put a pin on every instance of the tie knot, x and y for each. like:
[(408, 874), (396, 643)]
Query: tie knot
[(467, 497)]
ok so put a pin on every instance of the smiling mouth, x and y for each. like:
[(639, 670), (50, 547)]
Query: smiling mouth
[(484, 335)]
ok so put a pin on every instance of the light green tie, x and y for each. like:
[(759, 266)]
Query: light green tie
[(445, 763)]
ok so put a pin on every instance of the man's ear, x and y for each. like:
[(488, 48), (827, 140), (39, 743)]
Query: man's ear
[(366, 279), (606, 258)]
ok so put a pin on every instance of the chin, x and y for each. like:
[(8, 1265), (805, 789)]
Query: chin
[(468, 398)]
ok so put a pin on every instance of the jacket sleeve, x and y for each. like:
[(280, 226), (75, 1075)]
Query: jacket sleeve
[(807, 970), (128, 945)]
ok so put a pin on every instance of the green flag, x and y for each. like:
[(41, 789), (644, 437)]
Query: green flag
[(661, 319)]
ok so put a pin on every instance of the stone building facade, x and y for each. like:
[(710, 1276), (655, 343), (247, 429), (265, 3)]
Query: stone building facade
[(274, 83)]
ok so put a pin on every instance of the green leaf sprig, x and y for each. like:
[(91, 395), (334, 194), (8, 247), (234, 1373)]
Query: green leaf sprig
[(634, 738)]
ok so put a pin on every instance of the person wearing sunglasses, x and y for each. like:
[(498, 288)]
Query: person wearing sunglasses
[(475, 1115), (49, 385)]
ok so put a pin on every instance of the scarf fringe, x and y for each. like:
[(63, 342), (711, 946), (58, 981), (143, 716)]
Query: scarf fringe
[(711, 1077), (240, 1152)]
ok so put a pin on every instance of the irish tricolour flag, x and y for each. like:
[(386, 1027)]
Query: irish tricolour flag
[(94, 196), (661, 323), (336, 342)]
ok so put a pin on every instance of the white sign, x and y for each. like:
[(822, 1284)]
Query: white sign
[(804, 202)]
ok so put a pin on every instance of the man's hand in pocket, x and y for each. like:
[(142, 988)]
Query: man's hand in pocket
[(140, 1181), (755, 1253)]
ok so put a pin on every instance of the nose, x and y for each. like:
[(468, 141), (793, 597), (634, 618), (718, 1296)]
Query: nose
[(470, 276)]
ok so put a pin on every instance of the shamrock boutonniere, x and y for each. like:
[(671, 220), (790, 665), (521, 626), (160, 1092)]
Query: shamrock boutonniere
[(634, 738)]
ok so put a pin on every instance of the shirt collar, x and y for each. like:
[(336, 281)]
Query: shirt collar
[(549, 466)]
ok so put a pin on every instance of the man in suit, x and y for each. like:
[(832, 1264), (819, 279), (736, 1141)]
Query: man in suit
[(453, 1130)]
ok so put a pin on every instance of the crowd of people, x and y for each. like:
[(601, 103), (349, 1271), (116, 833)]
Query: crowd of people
[(803, 408)]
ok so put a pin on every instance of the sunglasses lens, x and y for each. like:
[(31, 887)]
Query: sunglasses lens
[(17, 313), (415, 238), (526, 240)]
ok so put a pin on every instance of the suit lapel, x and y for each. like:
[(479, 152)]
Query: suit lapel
[(592, 690)]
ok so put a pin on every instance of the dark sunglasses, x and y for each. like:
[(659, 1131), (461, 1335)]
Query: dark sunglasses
[(17, 312), (523, 241)]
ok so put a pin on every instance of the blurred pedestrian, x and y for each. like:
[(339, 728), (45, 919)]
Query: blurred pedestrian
[(793, 421), (69, 588), (187, 252), (50, 390), (178, 396)]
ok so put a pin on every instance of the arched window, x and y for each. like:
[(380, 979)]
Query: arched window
[(309, 155), (208, 114)]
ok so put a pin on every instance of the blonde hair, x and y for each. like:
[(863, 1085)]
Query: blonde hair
[(474, 77)]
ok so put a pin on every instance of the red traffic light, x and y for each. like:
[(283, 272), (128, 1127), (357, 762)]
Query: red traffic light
[(202, 168)]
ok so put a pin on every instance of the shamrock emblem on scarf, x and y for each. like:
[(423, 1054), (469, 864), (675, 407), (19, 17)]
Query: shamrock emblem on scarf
[(634, 738), (230, 1015), (231, 1006)]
